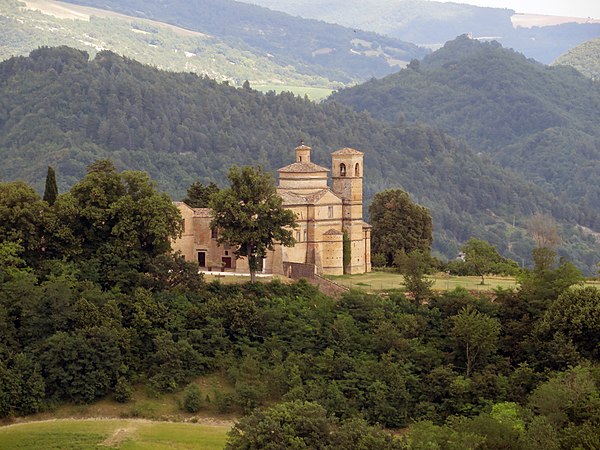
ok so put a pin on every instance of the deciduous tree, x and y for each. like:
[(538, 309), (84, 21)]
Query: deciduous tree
[(250, 215), (398, 224), (475, 336)]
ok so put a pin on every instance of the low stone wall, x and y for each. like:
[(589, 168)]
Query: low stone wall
[(297, 271)]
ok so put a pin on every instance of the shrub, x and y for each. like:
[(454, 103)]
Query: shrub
[(123, 390), (192, 401)]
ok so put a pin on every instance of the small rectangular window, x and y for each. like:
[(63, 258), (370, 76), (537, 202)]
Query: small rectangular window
[(305, 235), (214, 234), (183, 225), (330, 212)]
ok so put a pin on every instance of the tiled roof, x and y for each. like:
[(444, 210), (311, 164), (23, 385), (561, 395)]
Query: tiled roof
[(347, 151), (303, 167)]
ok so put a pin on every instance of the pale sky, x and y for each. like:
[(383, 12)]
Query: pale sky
[(570, 8)]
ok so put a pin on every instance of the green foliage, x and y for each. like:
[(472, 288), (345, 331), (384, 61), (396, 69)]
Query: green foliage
[(123, 390), (584, 58), (297, 425), (346, 251), (413, 267), (363, 359), (398, 224), (475, 336), (533, 119), (250, 215), (192, 399), (481, 258), (576, 315), (198, 195), (115, 108), (51, 189)]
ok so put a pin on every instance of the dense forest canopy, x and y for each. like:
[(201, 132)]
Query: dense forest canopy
[(537, 120), (585, 58), (58, 108), (94, 305)]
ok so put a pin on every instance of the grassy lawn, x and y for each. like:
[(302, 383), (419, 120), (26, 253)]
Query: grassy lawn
[(111, 433), (383, 281)]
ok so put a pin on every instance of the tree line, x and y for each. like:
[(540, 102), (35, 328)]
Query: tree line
[(92, 303)]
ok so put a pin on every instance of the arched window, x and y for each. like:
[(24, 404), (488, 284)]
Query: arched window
[(357, 170), (342, 170)]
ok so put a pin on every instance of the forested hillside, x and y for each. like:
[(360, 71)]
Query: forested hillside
[(58, 108), (310, 46), (584, 57), (433, 23), (93, 306), (537, 120), (161, 45)]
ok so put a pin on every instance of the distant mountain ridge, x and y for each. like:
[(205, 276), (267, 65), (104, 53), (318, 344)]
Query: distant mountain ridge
[(60, 109), (537, 120), (432, 23)]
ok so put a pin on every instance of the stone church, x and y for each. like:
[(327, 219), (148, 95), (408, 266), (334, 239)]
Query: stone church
[(323, 215)]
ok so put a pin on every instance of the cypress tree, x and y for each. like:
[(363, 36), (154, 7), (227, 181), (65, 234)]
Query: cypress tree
[(51, 190)]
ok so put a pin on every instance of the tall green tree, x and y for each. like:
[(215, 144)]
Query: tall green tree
[(51, 189), (198, 194), (475, 336), (481, 257), (413, 267), (250, 215), (21, 216), (123, 223), (398, 224)]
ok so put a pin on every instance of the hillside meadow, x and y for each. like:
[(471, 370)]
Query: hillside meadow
[(112, 433)]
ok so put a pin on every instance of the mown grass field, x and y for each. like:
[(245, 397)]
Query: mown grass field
[(384, 281), (128, 434)]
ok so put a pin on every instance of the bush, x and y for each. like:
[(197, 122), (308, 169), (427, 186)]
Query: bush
[(192, 401), (224, 401), (123, 390)]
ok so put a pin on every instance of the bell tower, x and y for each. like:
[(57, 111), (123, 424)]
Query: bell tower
[(347, 183)]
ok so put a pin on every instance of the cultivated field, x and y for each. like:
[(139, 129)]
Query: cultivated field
[(111, 433), (314, 93)]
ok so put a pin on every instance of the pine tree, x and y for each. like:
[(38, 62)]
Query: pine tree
[(51, 190)]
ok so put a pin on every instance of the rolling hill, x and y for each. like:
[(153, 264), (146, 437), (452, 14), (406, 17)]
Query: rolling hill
[(536, 120), (311, 47), (23, 29), (432, 23), (58, 107)]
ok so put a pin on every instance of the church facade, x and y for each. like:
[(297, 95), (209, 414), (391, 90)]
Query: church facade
[(329, 219)]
